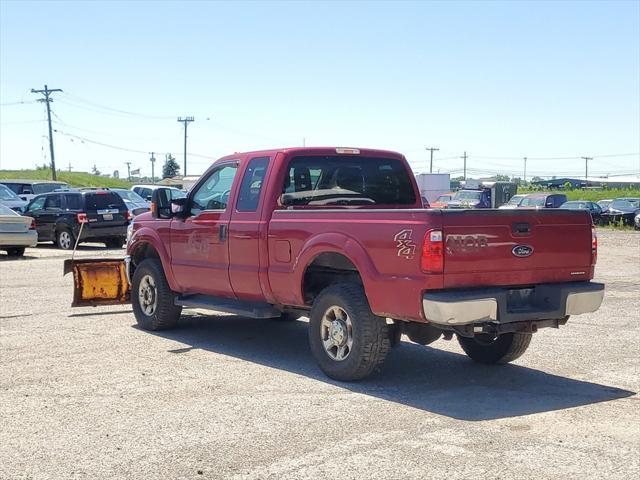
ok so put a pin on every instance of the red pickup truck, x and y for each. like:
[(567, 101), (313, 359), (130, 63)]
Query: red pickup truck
[(340, 235)]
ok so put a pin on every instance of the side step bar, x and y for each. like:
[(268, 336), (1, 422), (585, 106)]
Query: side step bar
[(229, 305)]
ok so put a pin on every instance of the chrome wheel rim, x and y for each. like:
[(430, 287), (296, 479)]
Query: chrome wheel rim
[(65, 240), (148, 295), (336, 333)]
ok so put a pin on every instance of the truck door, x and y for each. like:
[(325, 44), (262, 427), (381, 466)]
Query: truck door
[(199, 242), (248, 233)]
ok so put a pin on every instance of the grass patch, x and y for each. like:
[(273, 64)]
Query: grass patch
[(74, 179)]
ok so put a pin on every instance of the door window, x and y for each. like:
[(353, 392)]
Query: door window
[(251, 185), (53, 202), (213, 193), (74, 202), (37, 204)]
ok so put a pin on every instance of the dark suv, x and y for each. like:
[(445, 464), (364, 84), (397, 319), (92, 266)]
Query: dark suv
[(59, 216)]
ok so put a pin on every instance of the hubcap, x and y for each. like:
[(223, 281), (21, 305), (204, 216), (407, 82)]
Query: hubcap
[(336, 333), (148, 295), (65, 240)]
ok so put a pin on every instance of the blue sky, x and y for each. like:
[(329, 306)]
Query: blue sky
[(501, 80)]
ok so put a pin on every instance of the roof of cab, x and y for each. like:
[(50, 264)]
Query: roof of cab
[(316, 151)]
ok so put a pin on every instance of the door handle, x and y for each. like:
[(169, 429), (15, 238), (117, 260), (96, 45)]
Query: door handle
[(223, 233)]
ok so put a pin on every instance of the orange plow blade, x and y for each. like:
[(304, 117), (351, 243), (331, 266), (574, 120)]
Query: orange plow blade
[(98, 281)]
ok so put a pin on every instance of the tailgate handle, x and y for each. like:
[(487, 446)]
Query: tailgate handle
[(521, 228)]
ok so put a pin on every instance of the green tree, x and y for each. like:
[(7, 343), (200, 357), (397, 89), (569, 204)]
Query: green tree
[(170, 167)]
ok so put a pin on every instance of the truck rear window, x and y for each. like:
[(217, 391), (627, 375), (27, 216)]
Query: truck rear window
[(100, 201), (340, 180)]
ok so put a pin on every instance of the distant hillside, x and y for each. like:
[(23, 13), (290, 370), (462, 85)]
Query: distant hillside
[(74, 179)]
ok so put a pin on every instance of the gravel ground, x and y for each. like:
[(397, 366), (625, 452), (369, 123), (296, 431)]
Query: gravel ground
[(84, 394)]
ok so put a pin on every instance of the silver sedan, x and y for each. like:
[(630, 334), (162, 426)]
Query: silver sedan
[(16, 232)]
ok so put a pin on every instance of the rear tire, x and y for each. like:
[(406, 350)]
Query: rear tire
[(65, 239), (347, 340), (15, 252), (503, 349), (152, 299)]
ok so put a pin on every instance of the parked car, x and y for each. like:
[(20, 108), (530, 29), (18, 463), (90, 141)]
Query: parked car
[(16, 232), (604, 204), (9, 199), (340, 235), (513, 202), (443, 200), (623, 209), (592, 207), (59, 216), (543, 200), (145, 191), (134, 202), (27, 189)]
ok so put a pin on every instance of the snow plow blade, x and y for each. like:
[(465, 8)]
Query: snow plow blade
[(98, 281)]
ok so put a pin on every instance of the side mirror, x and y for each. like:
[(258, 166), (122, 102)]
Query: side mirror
[(161, 203), (178, 206)]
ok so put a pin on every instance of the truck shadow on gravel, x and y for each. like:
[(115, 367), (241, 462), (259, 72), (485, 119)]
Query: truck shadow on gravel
[(422, 377)]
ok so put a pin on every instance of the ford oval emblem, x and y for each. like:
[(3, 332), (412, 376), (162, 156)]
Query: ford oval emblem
[(522, 250)]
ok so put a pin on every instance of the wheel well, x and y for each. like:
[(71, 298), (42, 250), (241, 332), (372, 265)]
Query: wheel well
[(146, 250), (326, 269)]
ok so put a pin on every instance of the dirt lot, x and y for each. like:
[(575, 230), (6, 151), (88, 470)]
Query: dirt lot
[(84, 394)]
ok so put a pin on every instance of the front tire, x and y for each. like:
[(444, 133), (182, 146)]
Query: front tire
[(15, 252), (501, 349), (152, 298), (347, 340)]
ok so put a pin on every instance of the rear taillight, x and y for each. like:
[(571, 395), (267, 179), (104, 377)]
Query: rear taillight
[(82, 217), (432, 260), (154, 208), (128, 215), (33, 224), (594, 246)]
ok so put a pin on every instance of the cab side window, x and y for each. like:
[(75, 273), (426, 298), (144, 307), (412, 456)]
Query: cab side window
[(37, 204), (251, 185), (213, 193)]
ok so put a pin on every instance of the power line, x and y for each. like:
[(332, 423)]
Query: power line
[(115, 110), (47, 93)]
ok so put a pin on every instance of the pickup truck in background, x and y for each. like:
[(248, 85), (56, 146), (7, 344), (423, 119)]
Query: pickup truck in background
[(340, 235)]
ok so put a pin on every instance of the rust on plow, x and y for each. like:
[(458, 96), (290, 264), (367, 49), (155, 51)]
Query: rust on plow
[(98, 281)]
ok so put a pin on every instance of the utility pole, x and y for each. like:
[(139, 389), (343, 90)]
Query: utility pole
[(586, 169), (128, 171), (525, 169), (69, 166), (432, 149), (47, 92), (465, 165), (185, 121), (153, 161)]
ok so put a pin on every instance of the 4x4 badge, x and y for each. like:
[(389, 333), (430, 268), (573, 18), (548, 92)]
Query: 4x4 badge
[(522, 250)]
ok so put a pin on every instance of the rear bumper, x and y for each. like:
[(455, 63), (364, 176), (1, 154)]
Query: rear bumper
[(102, 232), (24, 239), (507, 305)]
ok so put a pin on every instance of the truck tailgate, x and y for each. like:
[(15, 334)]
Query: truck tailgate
[(516, 247)]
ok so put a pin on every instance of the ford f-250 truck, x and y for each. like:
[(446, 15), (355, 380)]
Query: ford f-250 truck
[(340, 235)]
